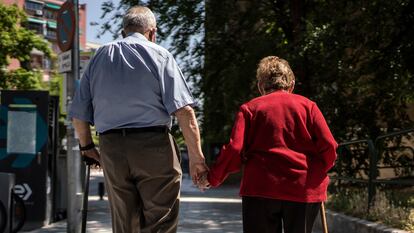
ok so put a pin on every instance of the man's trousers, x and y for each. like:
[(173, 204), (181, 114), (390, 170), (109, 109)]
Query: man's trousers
[(142, 176), (266, 215)]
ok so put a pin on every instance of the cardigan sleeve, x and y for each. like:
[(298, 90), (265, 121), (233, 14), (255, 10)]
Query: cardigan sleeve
[(324, 139), (229, 159)]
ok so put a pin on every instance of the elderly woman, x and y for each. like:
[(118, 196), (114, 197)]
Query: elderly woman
[(285, 147)]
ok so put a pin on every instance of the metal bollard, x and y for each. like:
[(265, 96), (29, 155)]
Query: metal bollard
[(101, 190)]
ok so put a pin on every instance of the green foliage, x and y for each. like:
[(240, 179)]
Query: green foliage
[(54, 84), (361, 63), (391, 207), (180, 28), (17, 42), (355, 59), (179, 22), (235, 42), (21, 79)]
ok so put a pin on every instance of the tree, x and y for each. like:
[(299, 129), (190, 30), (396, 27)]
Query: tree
[(354, 58), (361, 67), (180, 27), (21, 79), (17, 42)]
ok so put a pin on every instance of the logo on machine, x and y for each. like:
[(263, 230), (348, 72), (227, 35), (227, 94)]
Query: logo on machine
[(23, 191)]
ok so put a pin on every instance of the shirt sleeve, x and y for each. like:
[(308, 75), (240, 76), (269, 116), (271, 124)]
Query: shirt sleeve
[(174, 89), (324, 139), (81, 107), (229, 159)]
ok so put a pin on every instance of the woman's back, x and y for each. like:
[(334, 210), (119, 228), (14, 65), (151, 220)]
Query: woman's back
[(283, 141)]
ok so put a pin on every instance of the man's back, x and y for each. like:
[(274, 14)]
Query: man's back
[(129, 84), (130, 90)]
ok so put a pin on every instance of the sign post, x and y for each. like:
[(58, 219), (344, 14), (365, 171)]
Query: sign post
[(68, 41), (85, 58)]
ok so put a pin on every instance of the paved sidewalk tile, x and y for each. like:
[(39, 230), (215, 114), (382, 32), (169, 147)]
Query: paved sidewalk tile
[(212, 211)]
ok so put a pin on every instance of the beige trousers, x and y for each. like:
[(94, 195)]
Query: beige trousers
[(142, 176)]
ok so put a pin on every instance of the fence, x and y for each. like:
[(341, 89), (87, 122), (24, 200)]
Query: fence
[(366, 161)]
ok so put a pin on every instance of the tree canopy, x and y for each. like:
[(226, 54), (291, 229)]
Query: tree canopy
[(18, 42), (354, 58)]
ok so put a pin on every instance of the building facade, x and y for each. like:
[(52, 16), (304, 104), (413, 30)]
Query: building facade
[(42, 16)]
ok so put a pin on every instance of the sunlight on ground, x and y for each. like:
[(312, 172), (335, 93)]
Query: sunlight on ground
[(210, 200)]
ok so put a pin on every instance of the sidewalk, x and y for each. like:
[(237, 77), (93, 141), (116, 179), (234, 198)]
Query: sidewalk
[(214, 211)]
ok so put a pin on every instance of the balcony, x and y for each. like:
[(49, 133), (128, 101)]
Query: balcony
[(34, 8), (51, 30)]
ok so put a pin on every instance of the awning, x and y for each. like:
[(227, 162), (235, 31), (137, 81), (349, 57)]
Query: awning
[(51, 24), (34, 20), (36, 52), (36, 1), (53, 6)]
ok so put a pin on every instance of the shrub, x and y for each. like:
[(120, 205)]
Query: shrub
[(393, 208)]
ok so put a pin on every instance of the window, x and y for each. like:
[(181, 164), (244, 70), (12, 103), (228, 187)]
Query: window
[(33, 6), (36, 61), (47, 63), (37, 27), (49, 14), (51, 34)]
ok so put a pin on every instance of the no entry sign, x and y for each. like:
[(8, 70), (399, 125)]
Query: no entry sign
[(66, 26)]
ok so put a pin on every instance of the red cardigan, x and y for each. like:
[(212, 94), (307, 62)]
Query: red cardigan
[(285, 146)]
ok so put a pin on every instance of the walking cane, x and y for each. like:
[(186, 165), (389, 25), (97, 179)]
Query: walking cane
[(323, 218), (85, 198), (88, 161)]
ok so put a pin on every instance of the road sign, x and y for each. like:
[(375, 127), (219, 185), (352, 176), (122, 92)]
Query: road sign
[(66, 26), (65, 62)]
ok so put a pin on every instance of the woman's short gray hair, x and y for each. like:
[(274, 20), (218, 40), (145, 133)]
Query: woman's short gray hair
[(274, 73), (139, 18)]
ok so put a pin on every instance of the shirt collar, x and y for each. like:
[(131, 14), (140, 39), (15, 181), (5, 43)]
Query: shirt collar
[(137, 35)]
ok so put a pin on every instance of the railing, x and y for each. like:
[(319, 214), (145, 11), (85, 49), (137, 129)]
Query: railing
[(361, 161)]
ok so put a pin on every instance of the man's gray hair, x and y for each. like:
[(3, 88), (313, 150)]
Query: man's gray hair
[(139, 18)]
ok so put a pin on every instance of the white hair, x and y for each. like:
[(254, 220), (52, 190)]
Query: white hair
[(139, 18)]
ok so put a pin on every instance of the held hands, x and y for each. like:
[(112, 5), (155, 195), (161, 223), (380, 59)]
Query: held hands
[(203, 183), (199, 172)]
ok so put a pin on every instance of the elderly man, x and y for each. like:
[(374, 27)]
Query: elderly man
[(129, 92)]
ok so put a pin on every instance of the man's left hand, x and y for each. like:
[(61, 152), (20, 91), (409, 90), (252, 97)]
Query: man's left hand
[(92, 153)]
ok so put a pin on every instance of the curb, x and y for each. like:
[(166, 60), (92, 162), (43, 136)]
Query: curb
[(340, 223)]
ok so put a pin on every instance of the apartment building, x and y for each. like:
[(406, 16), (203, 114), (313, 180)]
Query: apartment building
[(42, 19)]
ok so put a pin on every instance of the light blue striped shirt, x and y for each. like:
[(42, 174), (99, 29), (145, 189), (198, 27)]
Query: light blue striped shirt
[(130, 83)]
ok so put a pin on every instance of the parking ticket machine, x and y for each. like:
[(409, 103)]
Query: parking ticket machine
[(24, 150)]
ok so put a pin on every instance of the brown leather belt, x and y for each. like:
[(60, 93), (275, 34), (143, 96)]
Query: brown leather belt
[(125, 131)]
